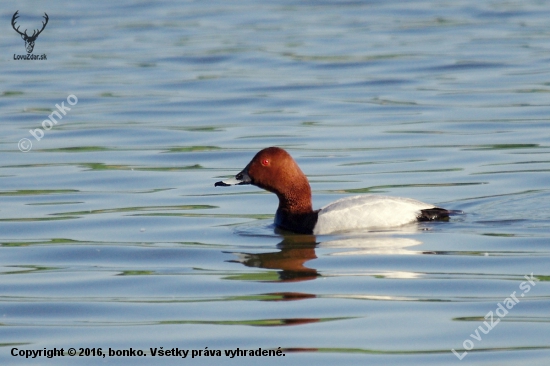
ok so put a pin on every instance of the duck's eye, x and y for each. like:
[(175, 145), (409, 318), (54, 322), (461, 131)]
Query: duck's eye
[(265, 162)]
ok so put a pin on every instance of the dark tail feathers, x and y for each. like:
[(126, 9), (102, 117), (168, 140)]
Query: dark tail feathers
[(432, 214)]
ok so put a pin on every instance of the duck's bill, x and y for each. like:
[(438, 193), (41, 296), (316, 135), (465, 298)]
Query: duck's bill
[(241, 178), (228, 182)]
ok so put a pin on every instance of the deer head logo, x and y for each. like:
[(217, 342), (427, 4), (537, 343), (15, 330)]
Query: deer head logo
[(29, 40)]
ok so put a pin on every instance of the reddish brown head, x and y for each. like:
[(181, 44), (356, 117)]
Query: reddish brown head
[(274, 170)]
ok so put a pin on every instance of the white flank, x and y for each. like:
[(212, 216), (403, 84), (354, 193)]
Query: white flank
[(367, 211)]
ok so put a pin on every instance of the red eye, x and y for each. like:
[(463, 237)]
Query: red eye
[(265, 162)]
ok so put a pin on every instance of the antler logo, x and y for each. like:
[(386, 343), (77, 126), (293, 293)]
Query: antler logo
[(29, 40)]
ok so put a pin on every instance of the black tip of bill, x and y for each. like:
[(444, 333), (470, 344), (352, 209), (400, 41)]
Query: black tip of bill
[(221, 184)]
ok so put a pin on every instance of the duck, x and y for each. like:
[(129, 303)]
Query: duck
[(274, 170)]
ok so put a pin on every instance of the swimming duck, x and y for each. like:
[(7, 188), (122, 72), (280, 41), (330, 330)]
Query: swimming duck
[(274, 170)]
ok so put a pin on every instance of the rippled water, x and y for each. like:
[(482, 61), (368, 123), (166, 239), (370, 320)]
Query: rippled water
[(113, 235)]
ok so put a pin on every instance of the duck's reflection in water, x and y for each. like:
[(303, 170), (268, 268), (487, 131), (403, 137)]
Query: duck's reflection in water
[(372, 246), (296, 250)]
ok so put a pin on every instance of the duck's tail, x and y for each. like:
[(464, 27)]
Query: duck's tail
[(433, 214)]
